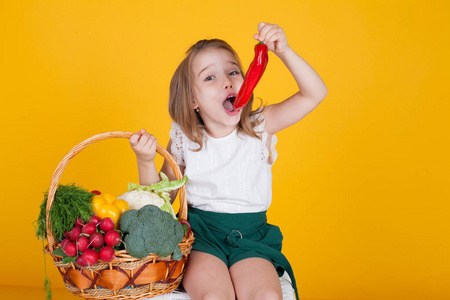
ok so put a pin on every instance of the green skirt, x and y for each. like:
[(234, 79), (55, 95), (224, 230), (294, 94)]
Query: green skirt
[(233, 237)]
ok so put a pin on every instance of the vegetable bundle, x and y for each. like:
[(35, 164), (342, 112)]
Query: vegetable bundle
[(71, 201), (79, 229)]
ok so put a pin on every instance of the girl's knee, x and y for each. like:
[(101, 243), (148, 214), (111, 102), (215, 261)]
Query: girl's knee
[(217, 295), (268, 295), (205, 292)]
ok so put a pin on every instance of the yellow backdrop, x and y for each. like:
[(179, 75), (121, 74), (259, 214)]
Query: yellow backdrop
[(361, 185)]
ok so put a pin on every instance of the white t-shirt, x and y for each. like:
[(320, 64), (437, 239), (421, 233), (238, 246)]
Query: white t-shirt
[(230, 174)]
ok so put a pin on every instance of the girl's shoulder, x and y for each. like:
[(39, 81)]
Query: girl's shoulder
[(258, 122), (175, 128), (177, 147), (176, 134), (267, 141)]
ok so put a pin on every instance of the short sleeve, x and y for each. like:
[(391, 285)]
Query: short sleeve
[(268, 150), (177, 147)]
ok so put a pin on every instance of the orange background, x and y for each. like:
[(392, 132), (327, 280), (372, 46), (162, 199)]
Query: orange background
[(360, 186)]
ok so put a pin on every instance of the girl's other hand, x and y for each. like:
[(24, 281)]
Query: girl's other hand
[(273, 36), (143, 145)]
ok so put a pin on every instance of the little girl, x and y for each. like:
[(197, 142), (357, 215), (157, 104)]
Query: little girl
[(227, 156)]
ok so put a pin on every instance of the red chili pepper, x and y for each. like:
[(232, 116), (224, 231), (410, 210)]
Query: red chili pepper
[(254, 74)]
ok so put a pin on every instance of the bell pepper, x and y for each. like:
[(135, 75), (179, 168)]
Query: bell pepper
[(107, 206), (254, 74)]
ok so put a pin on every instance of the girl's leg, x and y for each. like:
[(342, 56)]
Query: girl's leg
[(207, 277), (255, 278)]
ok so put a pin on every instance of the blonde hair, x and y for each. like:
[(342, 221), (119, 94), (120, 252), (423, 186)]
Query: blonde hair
[(182, 96)]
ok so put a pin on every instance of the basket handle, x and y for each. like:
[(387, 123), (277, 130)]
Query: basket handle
[(78, 148)]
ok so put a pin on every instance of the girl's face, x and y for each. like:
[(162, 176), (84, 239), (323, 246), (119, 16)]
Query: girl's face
[(217, 81)]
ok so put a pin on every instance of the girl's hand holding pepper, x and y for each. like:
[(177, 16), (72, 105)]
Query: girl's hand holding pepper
[(273, 36), (311, 88)]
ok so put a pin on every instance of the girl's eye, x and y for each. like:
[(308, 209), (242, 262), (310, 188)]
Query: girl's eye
[(209, 78), (234, 73)]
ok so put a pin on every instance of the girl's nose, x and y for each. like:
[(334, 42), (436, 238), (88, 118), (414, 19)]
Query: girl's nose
[(228, 84)]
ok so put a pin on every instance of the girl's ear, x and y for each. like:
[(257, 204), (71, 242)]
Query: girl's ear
[(195, 107)]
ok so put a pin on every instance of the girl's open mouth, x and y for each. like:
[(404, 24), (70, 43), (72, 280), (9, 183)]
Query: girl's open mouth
[(228, 104)]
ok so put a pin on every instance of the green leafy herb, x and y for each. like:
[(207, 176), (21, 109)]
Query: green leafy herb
[(47, 283), (69, 259), (59, 252), (71, 201), (48, 288)]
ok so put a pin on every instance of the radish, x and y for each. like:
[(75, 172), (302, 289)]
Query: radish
[(95, 220), (70, 249), (187, 227), (107, 253), (90, 257), (74, 233), (89, 228), (97, 240), (112, 238), (79, 222), (64, 241), (81, 262), (106, 224), (82, 243)]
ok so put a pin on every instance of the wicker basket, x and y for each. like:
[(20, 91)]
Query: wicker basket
[(125, 277)]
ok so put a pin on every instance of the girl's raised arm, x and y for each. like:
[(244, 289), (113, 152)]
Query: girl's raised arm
[(312, 89)]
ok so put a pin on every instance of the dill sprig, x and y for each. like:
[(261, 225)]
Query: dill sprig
[(47, 288), (71, 201)]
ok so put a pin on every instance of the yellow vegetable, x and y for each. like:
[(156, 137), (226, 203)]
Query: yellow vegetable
[(107, 206), (122, 205)]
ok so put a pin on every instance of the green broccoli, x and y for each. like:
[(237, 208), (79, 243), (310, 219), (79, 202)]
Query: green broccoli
[(151, 230)]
